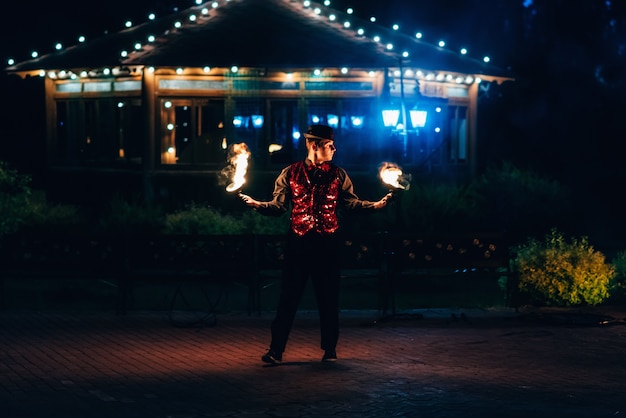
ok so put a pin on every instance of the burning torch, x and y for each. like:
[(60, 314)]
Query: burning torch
[(235, 172), (392, 176)]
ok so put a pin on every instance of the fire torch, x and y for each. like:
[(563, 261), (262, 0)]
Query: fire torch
[(392, 176), (235, 172)]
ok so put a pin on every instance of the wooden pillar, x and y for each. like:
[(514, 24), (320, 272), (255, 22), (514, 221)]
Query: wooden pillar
[(151, 132)]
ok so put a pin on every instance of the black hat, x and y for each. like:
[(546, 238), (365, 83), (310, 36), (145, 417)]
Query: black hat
[(320, 132)]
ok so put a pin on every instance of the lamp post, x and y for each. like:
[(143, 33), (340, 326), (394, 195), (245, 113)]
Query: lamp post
[(397, 117), (403, 131)]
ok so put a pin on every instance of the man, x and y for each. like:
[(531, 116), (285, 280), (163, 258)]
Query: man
[(315, 188)]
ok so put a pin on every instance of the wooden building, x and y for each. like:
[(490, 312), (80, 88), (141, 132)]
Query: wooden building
[(153, 108)]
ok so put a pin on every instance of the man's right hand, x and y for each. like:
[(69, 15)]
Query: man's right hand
[(250, 201)]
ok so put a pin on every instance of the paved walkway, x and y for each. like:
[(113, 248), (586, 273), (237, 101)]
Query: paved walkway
[(447, 364)]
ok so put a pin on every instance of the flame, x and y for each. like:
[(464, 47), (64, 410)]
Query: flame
[(239, 155), (391, 174)]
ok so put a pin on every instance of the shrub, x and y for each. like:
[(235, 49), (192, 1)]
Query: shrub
[(256, 223), (435, 208), (206, 220), (202, 220), (124, 217), (562, 273), (617, 287), (43, 216), (14, 199), (504, 199), (521, 202), (25, 209)]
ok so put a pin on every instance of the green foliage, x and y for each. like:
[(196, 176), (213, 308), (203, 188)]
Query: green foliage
[(24, 209), (256, 223), (435, 208), (198, 219), (521, 202), (53, 218), (124, 217), (504, 198), (562, 273), (617, 287), (14, 199)]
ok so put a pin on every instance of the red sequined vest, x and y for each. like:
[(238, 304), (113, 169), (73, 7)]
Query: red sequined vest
[(314, 194)]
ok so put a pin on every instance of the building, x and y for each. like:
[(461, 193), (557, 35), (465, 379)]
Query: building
[(153, 109)]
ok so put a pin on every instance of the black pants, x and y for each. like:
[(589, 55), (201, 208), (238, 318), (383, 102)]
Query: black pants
[(316, 257)]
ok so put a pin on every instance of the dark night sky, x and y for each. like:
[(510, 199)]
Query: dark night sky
[(40, 25)]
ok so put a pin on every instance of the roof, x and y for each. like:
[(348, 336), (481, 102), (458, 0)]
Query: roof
[(258, 33)]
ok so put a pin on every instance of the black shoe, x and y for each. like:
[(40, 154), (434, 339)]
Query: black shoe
[(272, 357), (329, 356)]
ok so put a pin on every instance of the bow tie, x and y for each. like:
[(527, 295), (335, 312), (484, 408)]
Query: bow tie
[(320, 166)]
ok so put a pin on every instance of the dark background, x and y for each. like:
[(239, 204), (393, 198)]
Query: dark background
[(563, 117)]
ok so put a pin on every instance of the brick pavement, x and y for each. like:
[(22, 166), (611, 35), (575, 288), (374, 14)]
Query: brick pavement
[(490, 364)]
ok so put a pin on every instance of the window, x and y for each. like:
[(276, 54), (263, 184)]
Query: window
[(129, 133), (249, 124), (285, 144), (97, 131), (193, 132), (457, 125)]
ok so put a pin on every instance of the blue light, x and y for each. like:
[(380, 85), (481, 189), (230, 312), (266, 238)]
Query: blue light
[(238, 121), (418, 118), (390, 117), (257, 121), (357, 121)]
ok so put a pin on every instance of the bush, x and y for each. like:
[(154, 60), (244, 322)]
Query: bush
[(201, 220), (43, 216), (14, 199), (503, 199), (124, 217), (617, 287), (256, 223), (198, 219), (561, 273), (521, 202), (437, 208), (25, 209)]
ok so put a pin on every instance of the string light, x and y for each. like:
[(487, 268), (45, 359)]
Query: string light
[(307, 4)]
